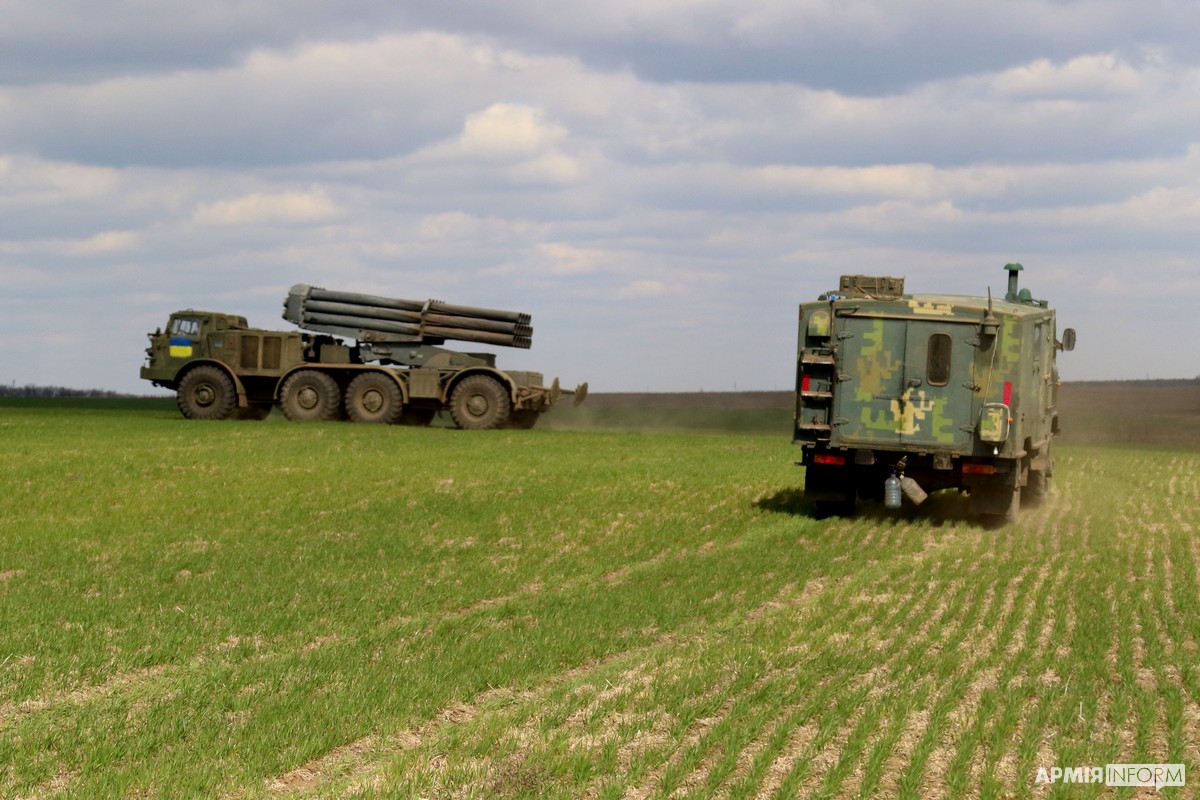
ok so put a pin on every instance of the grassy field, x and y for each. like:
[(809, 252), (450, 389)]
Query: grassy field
[(273, 610)]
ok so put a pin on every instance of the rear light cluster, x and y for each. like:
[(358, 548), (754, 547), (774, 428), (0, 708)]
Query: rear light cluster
[(804, 383), (830, 460)]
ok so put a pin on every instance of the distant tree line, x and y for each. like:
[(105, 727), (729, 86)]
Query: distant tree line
[(60, 391)]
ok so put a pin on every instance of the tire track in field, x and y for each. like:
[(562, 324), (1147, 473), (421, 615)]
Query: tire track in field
[(777, 750), (12, 712), (917, 721), (881, 678), (999, 663), (838, 760), (703, 740), (1163, 643), (874, 728), (771, 736), (952, 754)]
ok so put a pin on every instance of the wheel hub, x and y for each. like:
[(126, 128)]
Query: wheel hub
[(373, 401), (204, 395), (307, 398), (477, 404)]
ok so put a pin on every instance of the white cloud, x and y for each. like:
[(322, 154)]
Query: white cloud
[(644, 288), (107, 242), (265, 208), (41, 182), (1093, 76), (504, 130), (558, 258)]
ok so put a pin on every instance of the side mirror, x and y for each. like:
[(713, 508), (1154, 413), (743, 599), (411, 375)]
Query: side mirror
[(1068, 340)]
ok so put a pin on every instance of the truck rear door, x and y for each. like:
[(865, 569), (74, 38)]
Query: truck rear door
[(902, 382), (870, 376), (935, 406)]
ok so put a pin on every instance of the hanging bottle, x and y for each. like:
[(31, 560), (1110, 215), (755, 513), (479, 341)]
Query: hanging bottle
[(891, 492)]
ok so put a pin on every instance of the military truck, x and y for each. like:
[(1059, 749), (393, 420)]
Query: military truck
[(391, 368), (927, 392)]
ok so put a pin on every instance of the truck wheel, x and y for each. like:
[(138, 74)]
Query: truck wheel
[(374, 397), (309, 395), (206, 393), (1036, 487), (1037, 482), (479, 402)]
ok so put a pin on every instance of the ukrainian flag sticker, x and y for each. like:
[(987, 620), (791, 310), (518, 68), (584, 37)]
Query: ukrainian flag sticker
[(181, 347)]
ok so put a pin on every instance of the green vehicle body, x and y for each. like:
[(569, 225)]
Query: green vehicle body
[(949, 392), (222, 368)]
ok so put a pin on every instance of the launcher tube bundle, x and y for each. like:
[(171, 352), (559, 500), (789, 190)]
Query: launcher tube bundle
[(372, 318)]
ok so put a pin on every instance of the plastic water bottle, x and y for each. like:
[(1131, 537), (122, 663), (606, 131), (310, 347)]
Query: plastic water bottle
[(891, 492)]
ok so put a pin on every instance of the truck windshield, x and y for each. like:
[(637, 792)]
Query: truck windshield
[(183, 326)]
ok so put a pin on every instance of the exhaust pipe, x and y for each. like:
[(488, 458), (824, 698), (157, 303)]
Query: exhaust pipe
[(1013, 269)]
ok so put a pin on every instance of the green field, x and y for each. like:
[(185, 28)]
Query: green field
[(269, 610)]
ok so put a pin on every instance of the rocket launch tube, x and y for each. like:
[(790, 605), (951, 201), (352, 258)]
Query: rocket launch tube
[(381, 318), (395, 315), (317, 293)]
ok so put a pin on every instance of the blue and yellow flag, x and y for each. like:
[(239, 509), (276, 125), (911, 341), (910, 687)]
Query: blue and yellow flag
[(181, 347)]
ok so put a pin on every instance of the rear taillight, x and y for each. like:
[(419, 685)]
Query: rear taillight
[(833, 461), (805, 382), (978, 469), (1008, 393)]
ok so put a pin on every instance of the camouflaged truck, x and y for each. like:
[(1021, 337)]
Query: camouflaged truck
[(936, 391), (391, 370)]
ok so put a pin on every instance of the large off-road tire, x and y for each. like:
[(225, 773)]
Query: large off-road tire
[(309, 395), (1036, 488), (1037, 482), (374, 397), (206, 392), (479, 402)]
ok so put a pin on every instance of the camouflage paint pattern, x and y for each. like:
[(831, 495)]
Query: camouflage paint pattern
[(880, 375)]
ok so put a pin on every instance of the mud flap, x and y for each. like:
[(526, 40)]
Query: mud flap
[(996, 500), (825, 483), (831, 488)]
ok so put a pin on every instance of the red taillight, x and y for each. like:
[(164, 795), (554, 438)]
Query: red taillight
[(833, 461), (1008, 393), (804, 383), (978, 469)]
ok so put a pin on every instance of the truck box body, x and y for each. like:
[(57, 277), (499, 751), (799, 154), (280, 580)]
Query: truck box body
[(965, 389)]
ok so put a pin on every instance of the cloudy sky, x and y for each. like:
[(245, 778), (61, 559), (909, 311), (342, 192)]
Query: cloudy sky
[(658, 182)]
